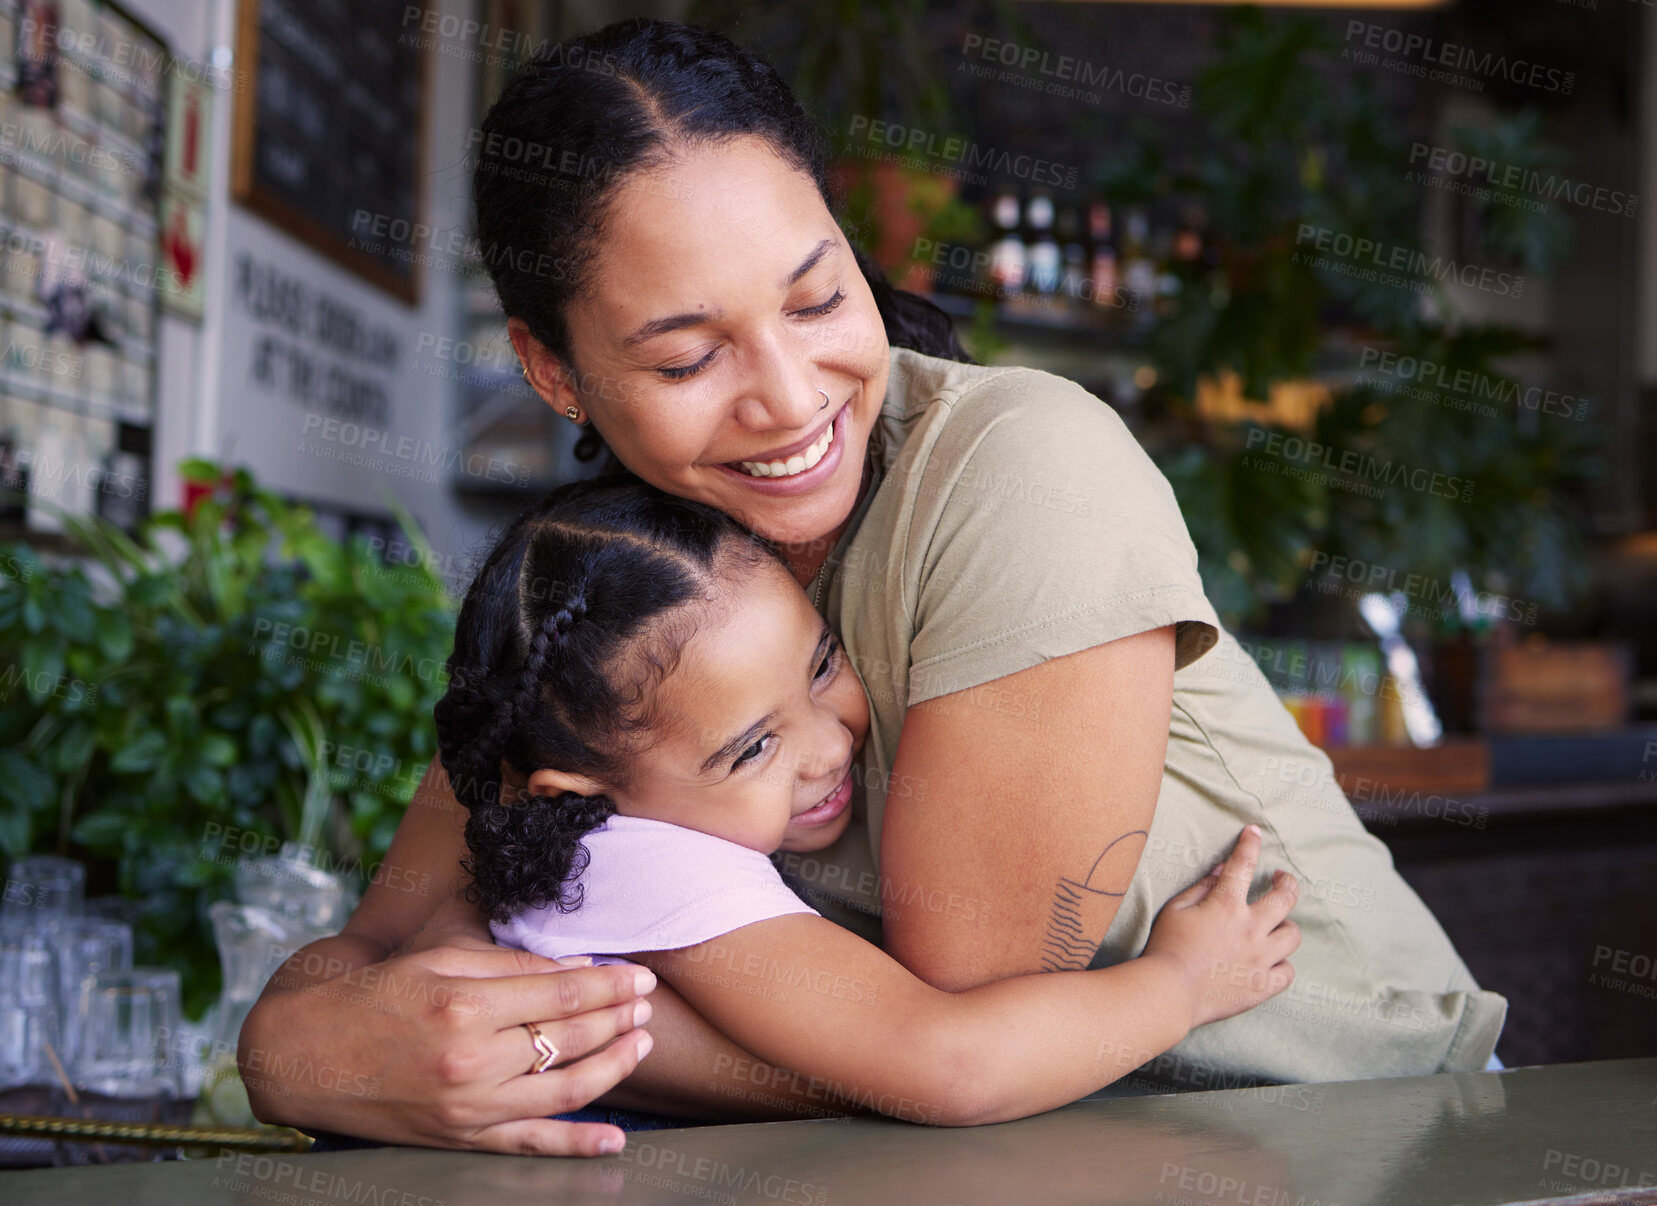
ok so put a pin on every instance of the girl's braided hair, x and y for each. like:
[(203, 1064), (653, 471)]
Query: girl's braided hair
[(563, 634)]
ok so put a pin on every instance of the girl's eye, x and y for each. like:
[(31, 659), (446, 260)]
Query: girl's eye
[(829, 661), (752, 752), (817, 311), (680, 372)]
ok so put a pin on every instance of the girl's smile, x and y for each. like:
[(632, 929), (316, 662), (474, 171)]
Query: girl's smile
[(832, 806)]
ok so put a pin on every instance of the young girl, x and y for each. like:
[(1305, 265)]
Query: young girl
[(675, 711)]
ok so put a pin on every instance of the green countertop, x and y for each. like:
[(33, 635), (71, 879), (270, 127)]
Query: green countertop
[(1585, 1133)]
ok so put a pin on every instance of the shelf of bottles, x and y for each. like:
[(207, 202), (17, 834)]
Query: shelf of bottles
[(1079, 264), (80, 118)]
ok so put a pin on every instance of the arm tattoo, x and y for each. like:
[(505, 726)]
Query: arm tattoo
[(1074, 930)]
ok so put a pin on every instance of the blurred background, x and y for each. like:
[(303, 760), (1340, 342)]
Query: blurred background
[(1375, 284)]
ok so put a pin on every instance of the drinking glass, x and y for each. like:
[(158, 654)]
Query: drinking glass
[(43, 886), (84, 947), (29, 1034), (128, 1066), (29, 1007)]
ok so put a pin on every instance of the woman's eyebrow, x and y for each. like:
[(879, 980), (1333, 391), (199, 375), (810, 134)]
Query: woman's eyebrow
[(810, 262), (677, 322), (673, 322)]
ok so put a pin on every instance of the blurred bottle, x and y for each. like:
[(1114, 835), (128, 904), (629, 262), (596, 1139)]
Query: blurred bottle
[(1361, 684), (1045, 259), (1009, 260), (1139, 274), (1104, 253), (1073, 277), (1393, 730)]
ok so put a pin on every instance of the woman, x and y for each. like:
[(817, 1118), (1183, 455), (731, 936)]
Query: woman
[(1011, 578)]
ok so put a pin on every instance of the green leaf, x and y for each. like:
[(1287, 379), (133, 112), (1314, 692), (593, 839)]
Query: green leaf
[(139, 755), (217, 749), (114, 635), (205, 784), (401, 691), (73, 747), (198, 874), (23, 785), (14, 833), (199, 471), (43, 667), (74, 617), (102, 831)]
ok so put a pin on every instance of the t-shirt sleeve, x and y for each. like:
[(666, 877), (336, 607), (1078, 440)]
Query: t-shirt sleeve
[(651, 886), (1042, 528)]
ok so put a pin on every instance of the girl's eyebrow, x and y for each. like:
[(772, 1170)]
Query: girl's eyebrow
[(677, 322), (753, 732), (737, 744)]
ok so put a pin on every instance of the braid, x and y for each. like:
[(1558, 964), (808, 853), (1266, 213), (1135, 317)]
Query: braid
[(526, 853)]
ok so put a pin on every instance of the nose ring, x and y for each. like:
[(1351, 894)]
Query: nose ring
[(825, 398)]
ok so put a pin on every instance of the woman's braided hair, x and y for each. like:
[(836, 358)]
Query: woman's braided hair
[(562, 636)]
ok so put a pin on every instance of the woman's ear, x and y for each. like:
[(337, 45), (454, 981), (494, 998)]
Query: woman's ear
[(549, 782), (542, 370)]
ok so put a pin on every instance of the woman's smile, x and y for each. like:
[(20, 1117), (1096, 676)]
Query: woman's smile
[(797, 467)]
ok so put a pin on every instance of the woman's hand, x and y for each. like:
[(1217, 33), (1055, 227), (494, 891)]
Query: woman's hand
[(429, 1047), (1234, 954)]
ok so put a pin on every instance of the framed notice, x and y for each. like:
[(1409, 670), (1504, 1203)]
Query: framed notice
[(329, 122)]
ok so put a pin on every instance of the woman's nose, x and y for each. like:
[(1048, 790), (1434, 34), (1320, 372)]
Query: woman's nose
[(780, 393)]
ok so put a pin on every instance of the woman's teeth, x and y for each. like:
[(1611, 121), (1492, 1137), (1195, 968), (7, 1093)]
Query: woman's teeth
[(798, 463)]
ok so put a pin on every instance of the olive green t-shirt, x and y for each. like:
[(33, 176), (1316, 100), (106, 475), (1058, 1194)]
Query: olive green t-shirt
[(1014, 519)]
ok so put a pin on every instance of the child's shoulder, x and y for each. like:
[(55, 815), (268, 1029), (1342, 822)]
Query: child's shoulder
[(648, 885)]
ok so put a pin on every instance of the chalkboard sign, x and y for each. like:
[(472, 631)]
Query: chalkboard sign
[(328, 130)]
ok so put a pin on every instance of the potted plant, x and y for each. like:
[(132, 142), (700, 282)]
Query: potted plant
[(228, 681)]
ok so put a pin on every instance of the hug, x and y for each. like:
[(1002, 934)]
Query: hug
[(801, 613)]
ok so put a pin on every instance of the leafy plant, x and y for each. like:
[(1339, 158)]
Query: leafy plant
[(230, 679), (1290, 147)]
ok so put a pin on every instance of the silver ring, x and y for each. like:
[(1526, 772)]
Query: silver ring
[(824, 392)]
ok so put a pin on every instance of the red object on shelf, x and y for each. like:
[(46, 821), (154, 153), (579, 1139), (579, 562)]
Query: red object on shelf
[(194, 492)]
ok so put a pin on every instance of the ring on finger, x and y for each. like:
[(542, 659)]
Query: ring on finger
[(546, 1053)]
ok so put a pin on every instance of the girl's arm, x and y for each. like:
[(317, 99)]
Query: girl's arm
[(852, 1023)]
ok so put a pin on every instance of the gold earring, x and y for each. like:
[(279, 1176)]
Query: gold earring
[(573, 413)]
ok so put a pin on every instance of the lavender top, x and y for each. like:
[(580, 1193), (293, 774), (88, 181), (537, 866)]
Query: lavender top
[(651, 886)]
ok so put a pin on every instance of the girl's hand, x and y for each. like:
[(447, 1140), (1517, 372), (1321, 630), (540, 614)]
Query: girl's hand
[(1235, 954)]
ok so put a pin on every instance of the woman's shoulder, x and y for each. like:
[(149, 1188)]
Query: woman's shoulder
[(949, 426), (920, 383), (975, 412)]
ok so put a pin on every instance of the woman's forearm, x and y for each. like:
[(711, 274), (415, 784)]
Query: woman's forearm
[(407, 1027)]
